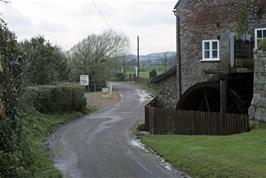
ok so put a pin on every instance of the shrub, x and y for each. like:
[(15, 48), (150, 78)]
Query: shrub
[(152, 74), (119, 76), (15, 154), (262, 45), (97, 86), (59, 98)]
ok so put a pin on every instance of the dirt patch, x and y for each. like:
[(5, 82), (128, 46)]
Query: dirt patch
[(96, 99)]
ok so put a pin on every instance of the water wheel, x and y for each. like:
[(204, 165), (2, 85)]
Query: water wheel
[(206, 97)]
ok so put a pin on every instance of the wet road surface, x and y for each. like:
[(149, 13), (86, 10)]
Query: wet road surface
[(102, 145)]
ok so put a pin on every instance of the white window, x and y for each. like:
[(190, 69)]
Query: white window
[(210, 50), (260, 33)]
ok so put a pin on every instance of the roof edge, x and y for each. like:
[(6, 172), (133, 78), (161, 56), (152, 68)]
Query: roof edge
[(165, 75), (177, 4)]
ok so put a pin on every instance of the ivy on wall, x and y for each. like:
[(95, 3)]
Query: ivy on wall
[(242, 23)]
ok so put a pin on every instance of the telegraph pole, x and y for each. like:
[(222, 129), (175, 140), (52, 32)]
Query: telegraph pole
[(165, 63), (124, 67), (138, 56)]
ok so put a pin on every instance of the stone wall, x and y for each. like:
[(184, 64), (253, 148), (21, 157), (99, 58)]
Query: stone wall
[(167, 89), (208, 20), (257, 110), (2, 111)]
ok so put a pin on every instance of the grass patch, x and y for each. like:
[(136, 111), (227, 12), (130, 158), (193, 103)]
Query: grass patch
[(145, 70), (242, 155), (143, 86), (37, 127)]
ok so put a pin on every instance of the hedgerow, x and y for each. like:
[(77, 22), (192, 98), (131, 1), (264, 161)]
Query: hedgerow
[(15, 159), (58, 98)]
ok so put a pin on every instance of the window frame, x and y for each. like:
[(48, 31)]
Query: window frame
[(256, 36), (211, 50)]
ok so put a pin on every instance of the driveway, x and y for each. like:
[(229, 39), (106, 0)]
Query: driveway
[(101, 144)]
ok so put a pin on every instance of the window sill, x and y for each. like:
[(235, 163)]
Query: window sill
[(210, 60)]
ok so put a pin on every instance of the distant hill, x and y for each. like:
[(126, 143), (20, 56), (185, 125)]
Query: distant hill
[(153, 58)]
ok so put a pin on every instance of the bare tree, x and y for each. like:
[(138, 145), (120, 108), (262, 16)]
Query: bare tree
[(89, 55)]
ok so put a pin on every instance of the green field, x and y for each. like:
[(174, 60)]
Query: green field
[(242, 155), (146, 69)]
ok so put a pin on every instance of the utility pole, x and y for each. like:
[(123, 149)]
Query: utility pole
[(124, 67), (138, 57), (165, 58)]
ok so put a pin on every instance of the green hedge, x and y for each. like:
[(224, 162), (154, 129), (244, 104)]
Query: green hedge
[(120, 76), (152, 74), (59, 98)]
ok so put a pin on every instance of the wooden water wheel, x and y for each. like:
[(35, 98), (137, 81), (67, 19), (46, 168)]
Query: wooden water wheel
[(206, 97)]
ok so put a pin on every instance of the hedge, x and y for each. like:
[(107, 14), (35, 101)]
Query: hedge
[(59, 98)]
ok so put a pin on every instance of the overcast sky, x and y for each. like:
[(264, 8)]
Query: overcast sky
[(66, 22)]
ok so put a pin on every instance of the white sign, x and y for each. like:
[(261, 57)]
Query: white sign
[(84, 80), (105, 92)]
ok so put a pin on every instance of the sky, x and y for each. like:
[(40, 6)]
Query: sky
[(66, 22)]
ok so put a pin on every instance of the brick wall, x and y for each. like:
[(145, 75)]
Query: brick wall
[(207, 20)]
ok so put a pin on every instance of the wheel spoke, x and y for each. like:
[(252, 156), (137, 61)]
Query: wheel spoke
[(206, 101)]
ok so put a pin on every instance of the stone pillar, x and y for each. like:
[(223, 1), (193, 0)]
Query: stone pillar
[(257, 110)]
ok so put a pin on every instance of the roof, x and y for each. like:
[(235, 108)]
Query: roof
[(181, 4), (163, 76), (177, 4)]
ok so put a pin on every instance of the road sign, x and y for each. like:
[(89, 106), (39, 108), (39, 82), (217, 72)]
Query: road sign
[(84, 80)]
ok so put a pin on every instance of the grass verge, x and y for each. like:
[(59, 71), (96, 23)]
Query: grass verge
[(242, 155), (144, 86), (37, 127)]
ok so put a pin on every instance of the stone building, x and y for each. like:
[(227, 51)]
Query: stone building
[(166, 87), (216, 40), (257, 110)]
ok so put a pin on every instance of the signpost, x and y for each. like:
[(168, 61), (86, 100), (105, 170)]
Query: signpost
[(84, 80)]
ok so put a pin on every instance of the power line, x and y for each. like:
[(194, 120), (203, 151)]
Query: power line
[(100, 13)]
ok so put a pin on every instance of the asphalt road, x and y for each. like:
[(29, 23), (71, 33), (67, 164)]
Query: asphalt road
[(102, 145)]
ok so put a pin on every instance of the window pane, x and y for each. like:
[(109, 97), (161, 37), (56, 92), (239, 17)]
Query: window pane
[(259, 34), (207, 54), (215, 54), (206, 45), (264, 33), (215, 45)]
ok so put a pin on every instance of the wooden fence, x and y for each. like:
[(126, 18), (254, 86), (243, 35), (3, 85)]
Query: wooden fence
[(163, 121)]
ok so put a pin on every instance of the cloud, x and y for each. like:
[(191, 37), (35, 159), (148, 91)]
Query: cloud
[(147, 13), (17, 21), (66, 22), (50, 27)]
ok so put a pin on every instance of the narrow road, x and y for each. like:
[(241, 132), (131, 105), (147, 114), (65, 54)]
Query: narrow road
[(102, 145)]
